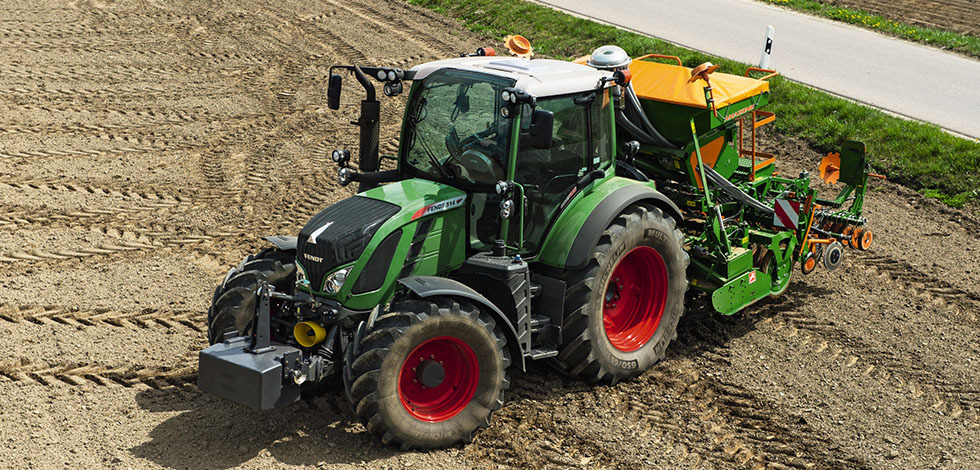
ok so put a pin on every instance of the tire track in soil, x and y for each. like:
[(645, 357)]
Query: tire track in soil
[(128, 93), (210, 57), (101, 317), (127, 243), (183, 119), (961, 304), (747, 428), (117, 73), (824, 340), (70, 43), (14, 218), (671, 411), (391, 18), (385, 27), (75, 374), (142, 192), (925, 389), (153, 142), (137, 115), (337, 48), (675, 412)]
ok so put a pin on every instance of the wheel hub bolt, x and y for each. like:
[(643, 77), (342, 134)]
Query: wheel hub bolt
[(431, 374)]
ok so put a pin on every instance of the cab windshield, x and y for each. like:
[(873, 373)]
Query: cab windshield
[(454, 129)]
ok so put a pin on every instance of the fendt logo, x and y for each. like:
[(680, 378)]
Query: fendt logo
[(439, 207), (315, 259)]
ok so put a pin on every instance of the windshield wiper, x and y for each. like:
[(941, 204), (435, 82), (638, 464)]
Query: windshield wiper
[(435, 161)]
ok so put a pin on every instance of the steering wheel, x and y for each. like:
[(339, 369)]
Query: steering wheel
[(477, 166)]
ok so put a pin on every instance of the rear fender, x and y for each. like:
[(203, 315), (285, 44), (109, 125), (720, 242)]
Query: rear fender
[(432, 286), (574, 236)]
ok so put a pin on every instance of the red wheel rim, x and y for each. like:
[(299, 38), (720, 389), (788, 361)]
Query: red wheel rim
[(461, 374), (634, 300)]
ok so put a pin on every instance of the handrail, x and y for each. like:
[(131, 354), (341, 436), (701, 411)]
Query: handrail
[(661, 56), (772, 73), (767, 118)]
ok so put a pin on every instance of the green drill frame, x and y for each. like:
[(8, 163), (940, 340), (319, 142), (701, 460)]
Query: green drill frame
[(739, 255)]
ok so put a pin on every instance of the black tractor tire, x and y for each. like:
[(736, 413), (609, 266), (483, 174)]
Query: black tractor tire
[(387, 390), (641, 235), (234, 301)]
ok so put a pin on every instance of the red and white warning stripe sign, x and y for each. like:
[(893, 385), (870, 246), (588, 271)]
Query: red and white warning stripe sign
[(786, 214)]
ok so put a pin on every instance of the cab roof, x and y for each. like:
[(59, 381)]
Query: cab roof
[(539, 77)]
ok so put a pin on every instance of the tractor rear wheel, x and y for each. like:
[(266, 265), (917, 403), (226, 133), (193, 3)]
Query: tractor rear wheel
[(622, 309), (428, 374), (234, 301)]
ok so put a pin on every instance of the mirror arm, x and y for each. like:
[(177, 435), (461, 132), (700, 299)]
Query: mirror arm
[(365, 82)]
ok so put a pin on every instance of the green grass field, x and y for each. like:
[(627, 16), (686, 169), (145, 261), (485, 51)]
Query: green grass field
[(962, 43), (919, 155)]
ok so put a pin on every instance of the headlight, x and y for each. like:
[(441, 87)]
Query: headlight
[(301, 278), (335, 281)]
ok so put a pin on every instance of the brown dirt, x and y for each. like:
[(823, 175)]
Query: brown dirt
[(962, 16), (146, 147)]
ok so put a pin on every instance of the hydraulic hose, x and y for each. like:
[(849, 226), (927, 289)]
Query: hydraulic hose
[(730, 189), (633, 103)]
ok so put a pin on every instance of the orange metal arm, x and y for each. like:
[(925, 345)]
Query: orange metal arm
[(767, 118), (772, 73)]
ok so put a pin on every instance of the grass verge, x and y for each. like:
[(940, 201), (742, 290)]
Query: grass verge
[(962, 43), (916, 154)]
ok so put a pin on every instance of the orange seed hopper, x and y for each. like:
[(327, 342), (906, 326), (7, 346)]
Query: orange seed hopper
[(670, 84)]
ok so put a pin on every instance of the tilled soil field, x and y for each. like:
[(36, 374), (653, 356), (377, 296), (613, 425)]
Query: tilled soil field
[(962, 16), (146, 147)]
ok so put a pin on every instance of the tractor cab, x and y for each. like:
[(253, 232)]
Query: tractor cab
[(540, 125)]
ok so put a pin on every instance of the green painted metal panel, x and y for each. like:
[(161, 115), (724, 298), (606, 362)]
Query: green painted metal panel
[(741, 292), (558, 243), (444, 247), (739, 262)]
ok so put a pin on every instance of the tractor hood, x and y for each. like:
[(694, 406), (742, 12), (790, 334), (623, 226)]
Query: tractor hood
[(339, 234)]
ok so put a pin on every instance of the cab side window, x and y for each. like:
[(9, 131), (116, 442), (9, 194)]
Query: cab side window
[(548, 175)]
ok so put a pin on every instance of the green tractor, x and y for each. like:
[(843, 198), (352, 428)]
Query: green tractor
[(536, 210)]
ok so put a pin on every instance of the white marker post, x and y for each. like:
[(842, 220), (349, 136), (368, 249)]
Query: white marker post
[(766, 51)]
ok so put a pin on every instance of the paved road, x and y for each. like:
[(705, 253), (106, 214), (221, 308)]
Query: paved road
[(898, 76)]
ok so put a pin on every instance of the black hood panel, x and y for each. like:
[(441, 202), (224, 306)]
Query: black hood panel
[(342, 231)]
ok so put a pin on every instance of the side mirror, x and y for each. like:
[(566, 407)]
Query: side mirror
[(333, 91), (542, 127)]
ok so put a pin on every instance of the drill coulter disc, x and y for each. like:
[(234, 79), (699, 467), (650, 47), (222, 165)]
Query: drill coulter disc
[(833, 256), (864, 243), (809, 264)]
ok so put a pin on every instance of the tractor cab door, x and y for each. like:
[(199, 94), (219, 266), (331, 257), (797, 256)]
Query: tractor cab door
[(582, 141)]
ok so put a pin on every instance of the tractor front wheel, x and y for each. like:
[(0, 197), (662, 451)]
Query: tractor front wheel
[(428, 374), (622, 309), (234, 301)]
